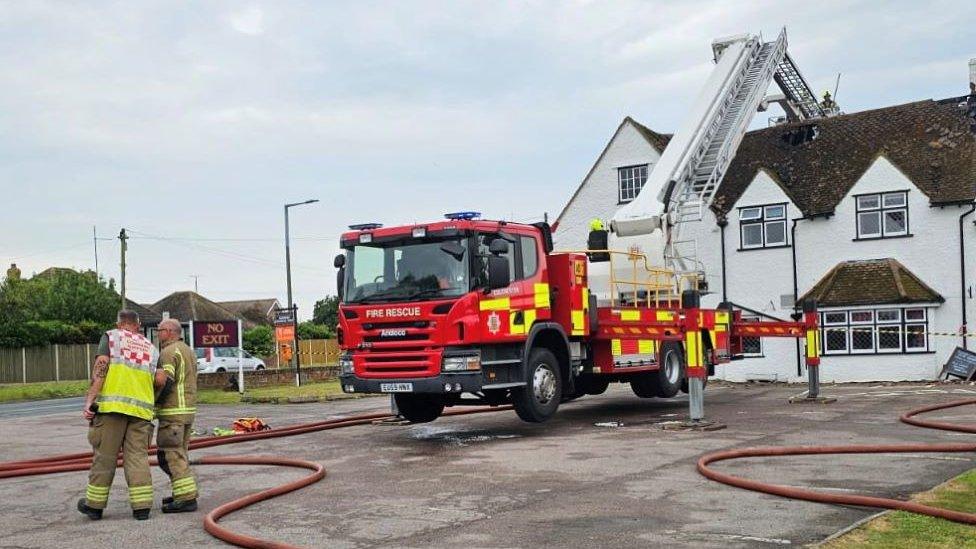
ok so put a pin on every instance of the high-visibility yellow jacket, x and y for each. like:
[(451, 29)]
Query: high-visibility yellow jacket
[(128, 387)]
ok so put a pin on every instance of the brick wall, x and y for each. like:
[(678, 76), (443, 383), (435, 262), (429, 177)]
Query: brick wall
[(264, 378)]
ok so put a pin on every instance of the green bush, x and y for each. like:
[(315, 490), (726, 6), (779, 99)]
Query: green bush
[(311, 330), (259, 341)]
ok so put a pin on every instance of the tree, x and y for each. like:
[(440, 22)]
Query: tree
[(312, 330), (326, 311), (57, 306), (259, 341)]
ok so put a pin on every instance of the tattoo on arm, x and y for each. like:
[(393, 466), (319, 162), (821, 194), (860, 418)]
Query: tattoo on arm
[(101, 368)]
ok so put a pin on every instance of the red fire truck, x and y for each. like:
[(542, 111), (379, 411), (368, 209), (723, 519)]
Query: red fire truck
[(487, 309), (473, 311)]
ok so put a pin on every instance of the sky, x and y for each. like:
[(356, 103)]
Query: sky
[(191, 124)]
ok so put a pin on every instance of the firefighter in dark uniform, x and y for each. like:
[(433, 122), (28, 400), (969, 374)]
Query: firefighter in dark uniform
[(176, 411), (119, 407)]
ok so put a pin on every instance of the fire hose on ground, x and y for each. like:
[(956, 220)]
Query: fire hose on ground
[(850, 499), (82, 461)]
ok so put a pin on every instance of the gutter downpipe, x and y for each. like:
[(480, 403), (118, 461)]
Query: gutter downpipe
[(722, 222), (796, 292), (962, 275)]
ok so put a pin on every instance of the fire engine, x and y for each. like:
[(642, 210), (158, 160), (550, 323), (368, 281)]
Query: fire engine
[(471, 311)]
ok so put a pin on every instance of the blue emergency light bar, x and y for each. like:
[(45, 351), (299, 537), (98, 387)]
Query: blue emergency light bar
[(365, 226), (462, 216)]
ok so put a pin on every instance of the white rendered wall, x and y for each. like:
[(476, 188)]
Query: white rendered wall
[(758, 278), (598, 196)]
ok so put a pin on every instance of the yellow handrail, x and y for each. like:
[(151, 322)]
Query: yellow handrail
[(663, 284)]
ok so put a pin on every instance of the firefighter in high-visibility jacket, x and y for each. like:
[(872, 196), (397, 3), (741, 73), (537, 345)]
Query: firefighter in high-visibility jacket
[(120, 407), (176, 411)]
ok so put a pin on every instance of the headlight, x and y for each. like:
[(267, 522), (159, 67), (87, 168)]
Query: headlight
[(345, 364), (468, 363)]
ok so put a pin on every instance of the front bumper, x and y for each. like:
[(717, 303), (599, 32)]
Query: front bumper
[(469, 383)]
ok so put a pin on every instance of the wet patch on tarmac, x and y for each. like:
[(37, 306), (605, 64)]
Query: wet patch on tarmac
[(452, 436)]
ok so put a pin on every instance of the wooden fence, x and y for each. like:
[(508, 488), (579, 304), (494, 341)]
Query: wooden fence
[(70, 362), (312, 352), (46, 363)]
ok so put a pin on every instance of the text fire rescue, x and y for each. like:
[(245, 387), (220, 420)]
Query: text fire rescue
[(393, 312)]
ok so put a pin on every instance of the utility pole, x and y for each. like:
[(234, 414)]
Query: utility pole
[(123, 238), (291, 303), (95, 242), (196, 283)]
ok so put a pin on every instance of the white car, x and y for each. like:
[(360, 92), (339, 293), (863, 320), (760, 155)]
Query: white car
[(224, 359)]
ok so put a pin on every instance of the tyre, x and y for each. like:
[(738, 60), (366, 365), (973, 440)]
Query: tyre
[(538, 400), (597, 385), (259, 367), (666, 381), (221, 370), (419, 408)]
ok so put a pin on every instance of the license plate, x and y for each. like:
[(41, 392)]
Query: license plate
[(396, 387)]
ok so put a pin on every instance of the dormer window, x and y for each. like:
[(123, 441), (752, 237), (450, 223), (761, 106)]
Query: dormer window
[(882, 215)]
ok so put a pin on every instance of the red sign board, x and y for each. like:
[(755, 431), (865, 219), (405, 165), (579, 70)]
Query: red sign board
[(215, 333)]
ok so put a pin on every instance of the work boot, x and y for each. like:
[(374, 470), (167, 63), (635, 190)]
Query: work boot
[(140, 514), (90, 512), (187, 506)]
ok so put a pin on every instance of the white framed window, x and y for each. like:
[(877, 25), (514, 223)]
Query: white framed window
[(882, 215), (630, 181), (874, 331), (752, 346), (762, 226), (835, 332)]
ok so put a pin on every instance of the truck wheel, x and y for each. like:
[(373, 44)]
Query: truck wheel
[(597, 385), (419, 408), (665, 382), (538, 400)]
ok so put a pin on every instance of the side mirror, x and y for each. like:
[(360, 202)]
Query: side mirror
[(498, 273), (498, 247), (339, 261)]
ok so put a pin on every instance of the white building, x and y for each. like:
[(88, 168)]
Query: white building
[(867, 212)]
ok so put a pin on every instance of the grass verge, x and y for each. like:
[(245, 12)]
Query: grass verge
[(901, 530), (319, 390), (39, 391)]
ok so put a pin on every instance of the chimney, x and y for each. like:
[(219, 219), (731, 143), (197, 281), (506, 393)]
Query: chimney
[(972, 71)]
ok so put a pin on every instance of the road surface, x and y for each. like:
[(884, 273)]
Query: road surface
[(41, 407)]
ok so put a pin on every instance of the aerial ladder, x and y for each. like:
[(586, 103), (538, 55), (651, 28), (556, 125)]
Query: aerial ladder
[(700, 152)]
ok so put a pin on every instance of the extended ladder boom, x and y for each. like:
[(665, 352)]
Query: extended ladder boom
[(699, 154)]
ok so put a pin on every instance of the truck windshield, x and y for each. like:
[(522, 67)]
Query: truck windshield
[(406, 271)]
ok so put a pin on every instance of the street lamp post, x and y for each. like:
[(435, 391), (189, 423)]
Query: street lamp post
[(291, 303)]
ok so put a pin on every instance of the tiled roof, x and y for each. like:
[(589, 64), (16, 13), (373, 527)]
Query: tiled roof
[(657, 140), (870, 282), (930, 141), (193, 306), (255, 310)]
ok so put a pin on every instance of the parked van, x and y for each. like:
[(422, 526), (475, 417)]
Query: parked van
[(224, 359)]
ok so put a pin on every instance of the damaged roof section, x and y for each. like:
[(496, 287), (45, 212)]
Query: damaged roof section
[(818, 164), (871, 282)]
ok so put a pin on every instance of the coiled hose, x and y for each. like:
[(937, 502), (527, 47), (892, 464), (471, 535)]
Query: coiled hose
[(848, 499)]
